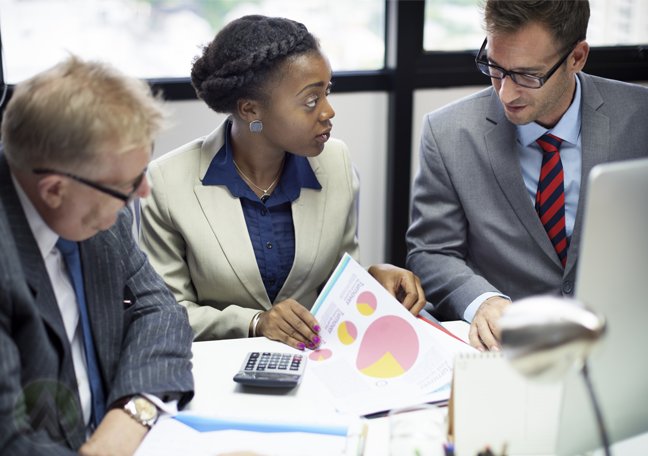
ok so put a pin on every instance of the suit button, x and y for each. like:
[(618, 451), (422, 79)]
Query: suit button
[(567, 287), (263, 212), (269, 245)]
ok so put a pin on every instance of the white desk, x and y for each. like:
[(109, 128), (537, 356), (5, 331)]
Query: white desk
[(215, 363)]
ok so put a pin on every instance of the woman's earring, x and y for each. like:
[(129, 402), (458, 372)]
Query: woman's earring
[(256, 126)]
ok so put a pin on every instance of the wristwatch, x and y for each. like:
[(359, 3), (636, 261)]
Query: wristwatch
[(140, 409)]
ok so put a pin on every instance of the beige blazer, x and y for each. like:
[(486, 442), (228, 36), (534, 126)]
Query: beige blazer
[(197, 239)]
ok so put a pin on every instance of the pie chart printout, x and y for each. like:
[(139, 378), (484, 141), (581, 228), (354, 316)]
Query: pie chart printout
[(389, 348), (347, 332), (366, 303), (320, 355)]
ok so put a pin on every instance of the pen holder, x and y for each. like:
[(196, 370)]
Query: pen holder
[(417, 431)]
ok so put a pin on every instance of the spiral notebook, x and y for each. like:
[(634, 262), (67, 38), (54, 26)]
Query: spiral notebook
[(492, 405)]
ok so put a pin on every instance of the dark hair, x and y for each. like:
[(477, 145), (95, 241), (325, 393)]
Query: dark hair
[(566, 19), (244, 56)]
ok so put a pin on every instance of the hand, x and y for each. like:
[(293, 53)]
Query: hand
[(290, 323), (402, 284), (484, 330), (118, 434)]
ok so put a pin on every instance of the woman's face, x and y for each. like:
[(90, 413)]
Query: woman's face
[(298, 116)]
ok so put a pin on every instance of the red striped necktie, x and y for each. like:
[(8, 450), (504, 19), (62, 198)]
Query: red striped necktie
[(550, 198)]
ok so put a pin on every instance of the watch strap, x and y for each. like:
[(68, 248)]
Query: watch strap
[(123, 403)]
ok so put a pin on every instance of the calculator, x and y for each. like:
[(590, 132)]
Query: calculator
[(271, 369)]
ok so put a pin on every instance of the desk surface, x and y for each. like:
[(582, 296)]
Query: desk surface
[(216, 362)]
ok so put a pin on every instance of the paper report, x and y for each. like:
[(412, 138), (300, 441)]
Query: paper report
[(375, 355)]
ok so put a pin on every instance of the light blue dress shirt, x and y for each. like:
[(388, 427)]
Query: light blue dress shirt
[(571, 154)]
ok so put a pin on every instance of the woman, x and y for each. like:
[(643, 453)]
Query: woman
[(247, 224)]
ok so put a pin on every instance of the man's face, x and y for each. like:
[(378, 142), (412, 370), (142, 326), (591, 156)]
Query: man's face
[(86, 210), (531, 51)]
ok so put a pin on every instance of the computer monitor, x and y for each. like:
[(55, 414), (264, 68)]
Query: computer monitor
[(612, 279)]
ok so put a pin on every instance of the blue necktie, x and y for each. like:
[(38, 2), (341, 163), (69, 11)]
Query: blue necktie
[(70, 251)]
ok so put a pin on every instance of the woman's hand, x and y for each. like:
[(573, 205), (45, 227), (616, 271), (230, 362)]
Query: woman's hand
[(290, 323), (402, 284)]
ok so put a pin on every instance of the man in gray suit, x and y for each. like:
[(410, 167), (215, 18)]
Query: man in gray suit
[(94, 348), (498, 201)]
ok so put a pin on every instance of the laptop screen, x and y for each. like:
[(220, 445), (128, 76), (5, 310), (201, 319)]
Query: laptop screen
[(612, 278)]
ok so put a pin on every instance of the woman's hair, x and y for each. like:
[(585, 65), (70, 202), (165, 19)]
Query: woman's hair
[(244, 57)]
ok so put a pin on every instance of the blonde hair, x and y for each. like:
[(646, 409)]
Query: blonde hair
[(63, 116)]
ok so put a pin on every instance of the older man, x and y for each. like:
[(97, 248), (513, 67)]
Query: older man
[(499, 198), (94, 348)]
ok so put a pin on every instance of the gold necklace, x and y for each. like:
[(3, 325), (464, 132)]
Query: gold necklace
[(265, 195)]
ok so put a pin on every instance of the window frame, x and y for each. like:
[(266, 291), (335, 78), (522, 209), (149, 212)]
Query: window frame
[(408, 67)]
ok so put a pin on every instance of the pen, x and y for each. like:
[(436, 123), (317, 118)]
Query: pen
[(363, 439), (448, 449)]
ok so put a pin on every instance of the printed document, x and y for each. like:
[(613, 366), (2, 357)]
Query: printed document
[(375, 355)]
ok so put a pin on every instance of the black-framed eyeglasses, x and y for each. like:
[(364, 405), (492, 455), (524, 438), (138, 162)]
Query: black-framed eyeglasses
[(126, 198), (522, 79)]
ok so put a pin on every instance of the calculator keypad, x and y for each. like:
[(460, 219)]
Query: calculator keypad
[(263, 362), (271, 369)]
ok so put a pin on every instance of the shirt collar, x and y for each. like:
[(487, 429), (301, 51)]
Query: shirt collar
[(297, 173), (45, 237), (568, 127)]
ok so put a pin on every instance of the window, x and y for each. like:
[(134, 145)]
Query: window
[(454, 25), (160, 38)]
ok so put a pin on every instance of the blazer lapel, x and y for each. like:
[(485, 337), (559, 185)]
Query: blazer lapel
[(308, 220), (505, 161), (104, 303), (30, 257), (38, 281), (595, 142), (225, 216)]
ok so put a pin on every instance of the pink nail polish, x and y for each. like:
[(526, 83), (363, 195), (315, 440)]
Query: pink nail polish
[(316, 340), (316, 328), (300, 345), (310, 344)]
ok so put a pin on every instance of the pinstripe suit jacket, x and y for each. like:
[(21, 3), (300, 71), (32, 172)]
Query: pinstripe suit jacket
[(141, 347), (474, 228)]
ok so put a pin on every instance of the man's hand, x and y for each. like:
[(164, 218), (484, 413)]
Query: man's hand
[(289, 322), (118, 434), (484, 331), (402, 284)]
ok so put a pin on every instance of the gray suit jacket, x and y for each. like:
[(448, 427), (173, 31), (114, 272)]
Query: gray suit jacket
[(474, 228), (141, 347)]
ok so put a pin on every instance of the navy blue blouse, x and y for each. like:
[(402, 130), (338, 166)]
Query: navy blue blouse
[(270, 224)]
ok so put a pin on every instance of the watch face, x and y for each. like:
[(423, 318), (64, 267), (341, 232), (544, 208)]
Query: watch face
[(145, 409)]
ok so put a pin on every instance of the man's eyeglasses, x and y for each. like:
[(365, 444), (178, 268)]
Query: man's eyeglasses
[(126, 198), (522, 79)]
